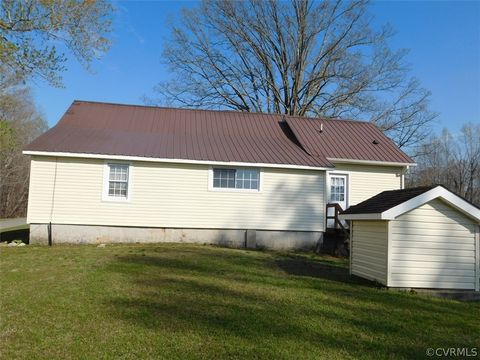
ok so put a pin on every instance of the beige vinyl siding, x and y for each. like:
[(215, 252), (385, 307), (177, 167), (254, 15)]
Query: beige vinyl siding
[(369, 250), (174, 195), (366, 181), (40, 200), (433, 246)]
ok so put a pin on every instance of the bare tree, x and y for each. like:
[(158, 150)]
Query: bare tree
[(20, 123), (453, 161), (298, 58)]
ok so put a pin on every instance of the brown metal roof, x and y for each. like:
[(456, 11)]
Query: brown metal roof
[(155, 132), (345, 139)]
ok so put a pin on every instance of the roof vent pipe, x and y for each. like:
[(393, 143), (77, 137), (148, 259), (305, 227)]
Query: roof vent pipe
[(321, 127)]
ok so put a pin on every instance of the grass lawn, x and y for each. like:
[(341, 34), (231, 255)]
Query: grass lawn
[(201, 302)]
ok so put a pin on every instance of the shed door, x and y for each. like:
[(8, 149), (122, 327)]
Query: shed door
[(337, 193)]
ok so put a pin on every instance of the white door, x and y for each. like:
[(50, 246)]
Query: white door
[(337, 194)]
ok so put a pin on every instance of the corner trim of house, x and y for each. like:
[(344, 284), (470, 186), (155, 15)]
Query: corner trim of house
[(351, 248), (389, 254), (477, 258)]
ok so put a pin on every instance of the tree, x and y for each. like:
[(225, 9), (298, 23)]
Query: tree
[(453, 161), (297, 58), (20, 123), (33, 35)]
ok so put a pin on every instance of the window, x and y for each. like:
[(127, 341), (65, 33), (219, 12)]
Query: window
[(248, 179), (224, 178), (118, 181), (337, 188)]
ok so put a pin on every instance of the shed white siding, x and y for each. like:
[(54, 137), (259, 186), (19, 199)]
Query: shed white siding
[(69, 191), (366, 181), (433, 246), (369, 250)]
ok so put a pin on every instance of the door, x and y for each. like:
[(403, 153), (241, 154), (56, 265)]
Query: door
[(337, 194)]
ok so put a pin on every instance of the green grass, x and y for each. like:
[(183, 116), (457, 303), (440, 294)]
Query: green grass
[(201, 302)]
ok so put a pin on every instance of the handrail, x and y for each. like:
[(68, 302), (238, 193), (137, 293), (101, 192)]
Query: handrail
[(337, 210)]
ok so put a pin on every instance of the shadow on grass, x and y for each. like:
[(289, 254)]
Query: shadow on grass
[(280, 303), (302, 267)]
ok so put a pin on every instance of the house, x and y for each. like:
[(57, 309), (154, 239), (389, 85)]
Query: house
[(425, 237), (123, 173)]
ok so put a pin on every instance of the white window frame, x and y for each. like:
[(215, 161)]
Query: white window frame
[(347, 188), (327, 189), (106, 178), (210, 179)]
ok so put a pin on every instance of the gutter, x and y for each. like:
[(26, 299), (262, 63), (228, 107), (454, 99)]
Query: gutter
[(370, 162), (173, 161)]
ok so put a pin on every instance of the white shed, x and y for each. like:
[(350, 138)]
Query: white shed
[(424, 237)]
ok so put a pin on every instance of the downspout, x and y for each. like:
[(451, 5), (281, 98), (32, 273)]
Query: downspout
[(49, 228)]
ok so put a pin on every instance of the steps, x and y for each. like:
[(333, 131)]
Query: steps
[(335, 242)]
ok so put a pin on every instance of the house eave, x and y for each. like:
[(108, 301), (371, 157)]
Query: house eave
[(169, 160), (376, 216), (369, 162)]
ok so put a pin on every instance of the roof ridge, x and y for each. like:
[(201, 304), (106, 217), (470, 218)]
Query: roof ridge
[(76, 101), (330, 119), (423, 187)]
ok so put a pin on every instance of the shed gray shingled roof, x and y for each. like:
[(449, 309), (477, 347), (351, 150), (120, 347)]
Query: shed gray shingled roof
[(386, 200), (227, 136)]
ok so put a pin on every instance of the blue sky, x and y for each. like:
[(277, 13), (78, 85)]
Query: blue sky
[(444, 38)]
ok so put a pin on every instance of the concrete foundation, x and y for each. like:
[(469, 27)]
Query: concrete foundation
[(251, 239), (236, 238)]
